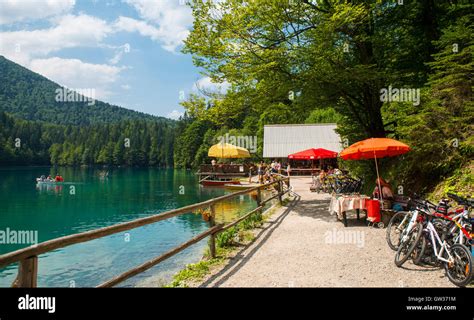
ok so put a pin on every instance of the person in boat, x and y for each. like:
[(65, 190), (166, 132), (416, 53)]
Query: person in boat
[(49, 178), (43, 177)]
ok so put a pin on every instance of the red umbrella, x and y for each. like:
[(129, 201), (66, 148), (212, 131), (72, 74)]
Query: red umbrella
[(312, 154)]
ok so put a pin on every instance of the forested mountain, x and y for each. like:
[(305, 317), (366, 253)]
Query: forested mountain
[(35, 129), (130, 142), (30, 96)]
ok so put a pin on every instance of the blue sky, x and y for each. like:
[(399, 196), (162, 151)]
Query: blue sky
[(128, 51)]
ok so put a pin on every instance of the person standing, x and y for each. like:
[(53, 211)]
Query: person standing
[(288, 169), (260, 172), (250, 173), (278, 167), (213, 168)]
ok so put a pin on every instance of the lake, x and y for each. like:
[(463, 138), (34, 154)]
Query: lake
[(87, 201)]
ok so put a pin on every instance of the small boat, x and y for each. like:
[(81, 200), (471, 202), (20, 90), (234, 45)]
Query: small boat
[(43, 180), (46, 181), (218, 181), (241, 186)]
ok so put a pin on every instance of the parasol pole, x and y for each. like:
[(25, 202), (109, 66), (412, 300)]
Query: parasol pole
[(378, 178)]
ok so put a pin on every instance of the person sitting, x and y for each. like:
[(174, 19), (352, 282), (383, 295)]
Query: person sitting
[(273, 166), (387, 192), (267, 176), (322, 175), (57, 178)]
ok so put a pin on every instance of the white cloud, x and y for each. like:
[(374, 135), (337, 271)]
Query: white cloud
[(171, 20), (175, 114), (132, 25), (206, 84), (164, 21), (32, 48), (23, 10), (70, 31), (75, 73), (125, 87)]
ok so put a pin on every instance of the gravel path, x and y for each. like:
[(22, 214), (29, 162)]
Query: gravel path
[(303, 246)]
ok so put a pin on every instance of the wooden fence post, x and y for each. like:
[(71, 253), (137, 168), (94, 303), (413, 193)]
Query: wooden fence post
[(27, 273), (259, 200), (212, 240), (280, 191)]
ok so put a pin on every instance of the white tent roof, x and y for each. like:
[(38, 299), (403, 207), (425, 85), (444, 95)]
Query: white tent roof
[(280, 140)]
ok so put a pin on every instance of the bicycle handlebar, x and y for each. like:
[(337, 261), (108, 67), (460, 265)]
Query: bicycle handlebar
[(461, 200)]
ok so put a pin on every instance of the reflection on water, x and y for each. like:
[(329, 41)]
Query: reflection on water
[(48, 187), (98, 201)]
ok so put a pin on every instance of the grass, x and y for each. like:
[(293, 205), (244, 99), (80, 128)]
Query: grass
[(196, 271), (461, 182)]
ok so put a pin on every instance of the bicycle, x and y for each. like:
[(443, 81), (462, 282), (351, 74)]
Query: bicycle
[(401, 223), (409, 238), (456, 258), (456, 226)]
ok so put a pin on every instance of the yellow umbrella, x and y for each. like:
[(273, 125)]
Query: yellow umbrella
[(226, 150)]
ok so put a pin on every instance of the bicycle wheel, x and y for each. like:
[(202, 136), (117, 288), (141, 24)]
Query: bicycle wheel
[(407, 247), (394, 230), (459, 271), (420, 250)]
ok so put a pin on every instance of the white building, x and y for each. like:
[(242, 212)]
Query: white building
[(280, 140)]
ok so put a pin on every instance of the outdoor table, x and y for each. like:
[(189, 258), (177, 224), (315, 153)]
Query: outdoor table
[(342, 203)]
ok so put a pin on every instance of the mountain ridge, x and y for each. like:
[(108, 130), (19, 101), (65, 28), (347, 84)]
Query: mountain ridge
[(28, 95)]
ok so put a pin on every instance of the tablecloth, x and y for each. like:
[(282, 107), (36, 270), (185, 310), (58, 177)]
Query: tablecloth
[(343, 203)]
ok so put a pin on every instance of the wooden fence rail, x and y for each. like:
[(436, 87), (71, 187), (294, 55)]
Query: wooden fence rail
[(28, 257)]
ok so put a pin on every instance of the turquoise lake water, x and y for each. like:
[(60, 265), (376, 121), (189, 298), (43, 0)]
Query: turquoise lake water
[(86, 201)]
